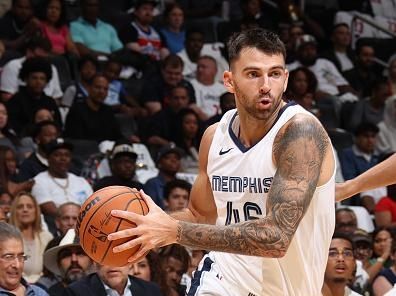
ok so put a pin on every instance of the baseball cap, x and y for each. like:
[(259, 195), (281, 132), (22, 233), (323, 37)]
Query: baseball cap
[(304, 40), (123, 149), (361, 235), (170, 148), (56, 144)]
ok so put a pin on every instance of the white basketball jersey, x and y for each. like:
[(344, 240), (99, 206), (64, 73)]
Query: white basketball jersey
[(241, 178)]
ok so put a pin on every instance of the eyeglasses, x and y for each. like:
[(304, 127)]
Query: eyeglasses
[(345, 253), (11, 257)]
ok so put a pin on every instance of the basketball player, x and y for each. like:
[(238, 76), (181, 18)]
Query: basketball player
[(264, 197), (383, 174)]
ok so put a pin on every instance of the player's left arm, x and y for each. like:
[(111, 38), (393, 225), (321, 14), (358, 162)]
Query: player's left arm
[(299, 151)]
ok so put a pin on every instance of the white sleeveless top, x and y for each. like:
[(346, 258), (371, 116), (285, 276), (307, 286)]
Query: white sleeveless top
[(240, 178)]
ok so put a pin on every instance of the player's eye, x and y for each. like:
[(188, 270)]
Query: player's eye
[(276, 74), (252, 74)]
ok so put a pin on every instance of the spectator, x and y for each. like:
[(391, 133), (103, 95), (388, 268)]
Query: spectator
[(392, 74), (156, 92), (5, 203), (9, 83), (18, 25), (66, 217), (340, 267), (341, 54), (173, 31), (12, 263), (386, 142), (123, 166), (207, 89), (191, 52), (77, 93), (345, 221), (254, 9), (176, 195), (54, 27), (369, 109), (113, 281), (139, 36), (68, 261), (35, 72), (382, 245), (92, 119), (386, 278), (91, 35), (7, 135), (294, 32), (26, 216), (56, 185), (385, 209), (365, 272), (227, 102), (174, 260), (168, 164), (45, 132), (147, 267)]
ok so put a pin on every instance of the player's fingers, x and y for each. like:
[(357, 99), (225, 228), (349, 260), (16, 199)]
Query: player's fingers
[(148, 199), (130, 216), (128, 245), (123, 234), (140, 254)]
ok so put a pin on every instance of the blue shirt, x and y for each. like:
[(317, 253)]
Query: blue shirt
[(31, 290), (101, 37), (154, 187), (174, 41)]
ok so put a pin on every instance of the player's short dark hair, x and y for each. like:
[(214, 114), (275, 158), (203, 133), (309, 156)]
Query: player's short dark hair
[(261, 39), (177, 183), (34, 65)]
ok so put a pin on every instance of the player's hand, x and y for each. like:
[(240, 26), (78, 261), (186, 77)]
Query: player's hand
[(156, 229)]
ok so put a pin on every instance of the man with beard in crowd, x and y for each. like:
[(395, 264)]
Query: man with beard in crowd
[(68, 260)]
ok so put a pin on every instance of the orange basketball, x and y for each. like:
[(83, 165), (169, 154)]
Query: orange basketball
[(95, 222)]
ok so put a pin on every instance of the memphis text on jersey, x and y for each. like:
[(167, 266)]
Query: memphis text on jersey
[(241, 184)]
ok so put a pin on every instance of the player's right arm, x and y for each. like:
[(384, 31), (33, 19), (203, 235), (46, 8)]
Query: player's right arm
[(201, 208), (382, 174)]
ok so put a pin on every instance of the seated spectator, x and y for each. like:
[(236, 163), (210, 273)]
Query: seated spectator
[(26, 216), (66, 217), (207, 89), (12, 264), (56, 185), (77, 93), (294, 33), (6, 182), (123, 166), (174, 260), (45, 132), (67, 261), (54, 27), (148, 269), (18, 25), (91, 35), (176, 195), (10, 82), (227, 102), (340, 267), (385, 209), (386, 278), (113, 281), (168, 164), (156, 92), (341, 54), (188, 137), (35, 72), (365, 72), (163, 124), (369, 109), (8, 137), (192, 51), (92, 119), (173, 31), (382, 246), (363, 251), (140, 36), (386, 141), (392, 74)]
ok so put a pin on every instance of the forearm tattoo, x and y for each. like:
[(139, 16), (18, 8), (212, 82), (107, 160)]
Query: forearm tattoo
[(299, 153)]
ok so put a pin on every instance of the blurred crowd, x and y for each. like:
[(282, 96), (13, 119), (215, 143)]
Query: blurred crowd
[(99, 93)]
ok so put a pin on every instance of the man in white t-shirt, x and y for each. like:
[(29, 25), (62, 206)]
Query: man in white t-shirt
[(9, 82), (207, 89), (56, 185)]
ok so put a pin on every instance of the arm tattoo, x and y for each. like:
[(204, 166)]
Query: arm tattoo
[(299, 153)]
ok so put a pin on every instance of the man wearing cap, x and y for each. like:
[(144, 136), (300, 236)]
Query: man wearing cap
[(168, 164), (140, 36), (68, 261), (56, 185), (12, 261), (123, 166)]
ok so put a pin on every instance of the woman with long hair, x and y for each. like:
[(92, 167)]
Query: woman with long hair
[(26, 216)]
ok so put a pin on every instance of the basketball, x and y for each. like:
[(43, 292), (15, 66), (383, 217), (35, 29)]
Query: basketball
[(95, 223)]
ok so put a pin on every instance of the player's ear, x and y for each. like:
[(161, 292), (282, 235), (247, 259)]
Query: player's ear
[(286, 80), (227, 80)]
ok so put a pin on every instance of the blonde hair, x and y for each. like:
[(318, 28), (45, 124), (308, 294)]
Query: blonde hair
[(37, 226)]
